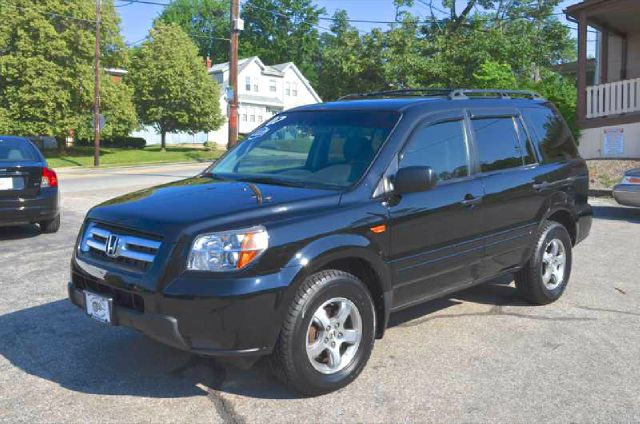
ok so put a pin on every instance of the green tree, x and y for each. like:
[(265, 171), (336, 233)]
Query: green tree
[(283, 31), (46, 68), (495, 75), (173, 91), (205, 21), (347, 65)]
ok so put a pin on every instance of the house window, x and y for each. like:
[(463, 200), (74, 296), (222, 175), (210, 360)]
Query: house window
[(260, 118), (252, 118), (247, 83), (244, 117), (294, 90), (272, 85), (287, 89), (255, 85)]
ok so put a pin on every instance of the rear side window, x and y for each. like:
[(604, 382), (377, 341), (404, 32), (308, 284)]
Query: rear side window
[(16, 150), (498, 144), (554, 137), (441, 146)]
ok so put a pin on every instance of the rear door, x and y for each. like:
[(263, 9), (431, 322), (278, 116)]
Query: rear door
[(20, 168), (434, 242), (510, 173)]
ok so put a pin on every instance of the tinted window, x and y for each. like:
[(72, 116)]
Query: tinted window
[(442, 147), (554, 138), (525, 143), (16, 150), (498, 144), (320, 148)]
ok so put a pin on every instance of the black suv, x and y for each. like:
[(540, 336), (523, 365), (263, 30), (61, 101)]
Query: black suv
[(304, 238)]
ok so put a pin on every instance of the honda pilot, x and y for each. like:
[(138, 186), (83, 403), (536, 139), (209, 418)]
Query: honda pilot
[(302, 240)]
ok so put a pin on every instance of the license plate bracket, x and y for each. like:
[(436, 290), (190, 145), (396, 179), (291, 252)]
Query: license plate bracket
[(99, 307)]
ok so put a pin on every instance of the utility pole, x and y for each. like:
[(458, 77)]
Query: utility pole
[(236, 27), (96, 96)]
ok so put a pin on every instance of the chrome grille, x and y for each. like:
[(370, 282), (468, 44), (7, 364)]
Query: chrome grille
[(125, 249)]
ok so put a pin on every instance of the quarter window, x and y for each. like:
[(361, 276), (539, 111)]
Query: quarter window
[(554, 137), (441, 146), (498, 144)]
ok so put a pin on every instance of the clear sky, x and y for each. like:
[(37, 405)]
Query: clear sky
[(137, 18)]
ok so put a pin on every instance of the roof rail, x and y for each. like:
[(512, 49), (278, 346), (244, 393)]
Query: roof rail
[(452, 93), (402, 92), (464, 93)]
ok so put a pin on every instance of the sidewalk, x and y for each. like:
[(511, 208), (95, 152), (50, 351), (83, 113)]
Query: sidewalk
[(146, 169)]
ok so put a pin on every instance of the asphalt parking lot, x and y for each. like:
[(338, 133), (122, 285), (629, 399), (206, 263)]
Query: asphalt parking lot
[(479, 356)]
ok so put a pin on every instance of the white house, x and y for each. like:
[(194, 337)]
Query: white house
[(263, 91), (609, 107)]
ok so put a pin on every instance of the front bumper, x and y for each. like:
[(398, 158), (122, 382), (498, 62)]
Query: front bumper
[(245, 325), (627, 194), (18, 211)]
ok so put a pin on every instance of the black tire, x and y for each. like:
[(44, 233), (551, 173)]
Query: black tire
[(291, 363), (529, 280), (51, 226)]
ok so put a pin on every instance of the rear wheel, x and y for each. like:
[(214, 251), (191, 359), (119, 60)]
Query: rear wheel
[(328, 334), (51, 226), (545, 277)]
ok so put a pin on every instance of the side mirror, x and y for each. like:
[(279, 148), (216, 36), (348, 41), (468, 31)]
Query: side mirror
[(413, 179)]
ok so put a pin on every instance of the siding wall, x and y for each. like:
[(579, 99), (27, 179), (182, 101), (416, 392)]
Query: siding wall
[(592, 139)]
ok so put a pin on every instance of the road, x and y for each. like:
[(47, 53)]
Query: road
[(481, 355)]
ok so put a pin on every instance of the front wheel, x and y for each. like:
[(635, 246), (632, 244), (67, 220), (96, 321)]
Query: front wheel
[(328, 334), (545, 277)]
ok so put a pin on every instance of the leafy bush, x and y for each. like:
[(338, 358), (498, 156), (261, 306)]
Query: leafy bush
[(118, 141)]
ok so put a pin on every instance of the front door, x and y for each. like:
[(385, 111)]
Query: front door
[(434, 234)]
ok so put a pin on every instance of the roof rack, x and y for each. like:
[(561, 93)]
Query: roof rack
[(464, 93), (402, 92), (452, 93)]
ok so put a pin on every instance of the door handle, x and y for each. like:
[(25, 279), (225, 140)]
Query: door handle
[(470, 201)]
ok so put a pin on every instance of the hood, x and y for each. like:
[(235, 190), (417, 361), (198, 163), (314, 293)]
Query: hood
[(202, 202)]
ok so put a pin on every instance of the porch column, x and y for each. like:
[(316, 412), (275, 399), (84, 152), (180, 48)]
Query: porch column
[(604, 57), (625, 54), (582, 67)]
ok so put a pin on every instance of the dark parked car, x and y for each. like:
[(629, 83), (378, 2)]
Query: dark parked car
[(28, 188), (303, 239), (627, 193)]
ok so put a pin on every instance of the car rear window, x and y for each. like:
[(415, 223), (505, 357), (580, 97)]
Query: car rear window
[(553, 136), (16, 150)]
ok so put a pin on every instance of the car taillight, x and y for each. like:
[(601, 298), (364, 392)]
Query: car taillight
[(631, 180), (49, 178)]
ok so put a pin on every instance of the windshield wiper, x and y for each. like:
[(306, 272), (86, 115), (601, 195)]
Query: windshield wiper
[(271, 180)]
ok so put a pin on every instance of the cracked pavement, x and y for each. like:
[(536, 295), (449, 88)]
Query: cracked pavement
[(480, 355)]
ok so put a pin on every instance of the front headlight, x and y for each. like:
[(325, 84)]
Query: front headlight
[(228, 250)]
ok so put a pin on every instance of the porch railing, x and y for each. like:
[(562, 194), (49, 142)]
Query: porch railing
[(614, 98)]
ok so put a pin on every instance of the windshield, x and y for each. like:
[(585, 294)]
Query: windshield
[(16, 150), (325, 149)]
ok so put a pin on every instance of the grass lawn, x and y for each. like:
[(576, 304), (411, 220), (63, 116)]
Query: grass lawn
[(83, 156)]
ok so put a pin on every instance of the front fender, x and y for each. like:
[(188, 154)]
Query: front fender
[(315, 255)]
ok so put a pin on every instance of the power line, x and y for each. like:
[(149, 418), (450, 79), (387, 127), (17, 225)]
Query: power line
[(149, 2)]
